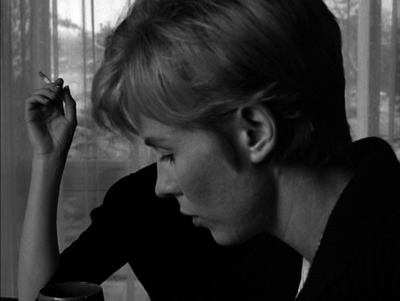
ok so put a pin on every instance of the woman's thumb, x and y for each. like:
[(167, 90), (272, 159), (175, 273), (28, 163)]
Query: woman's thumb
[(70, 104), (67, 95)]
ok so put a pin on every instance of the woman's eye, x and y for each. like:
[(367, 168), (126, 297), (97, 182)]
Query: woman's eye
[(167, 158)]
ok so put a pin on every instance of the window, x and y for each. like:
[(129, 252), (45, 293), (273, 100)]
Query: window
[(65, 38), (371, 40)]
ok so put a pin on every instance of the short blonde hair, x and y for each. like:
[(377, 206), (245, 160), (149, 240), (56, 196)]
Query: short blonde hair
[(192, 62)]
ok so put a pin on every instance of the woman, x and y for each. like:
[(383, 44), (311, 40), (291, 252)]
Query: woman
[(243, 104), (242, 101), (172, 259)]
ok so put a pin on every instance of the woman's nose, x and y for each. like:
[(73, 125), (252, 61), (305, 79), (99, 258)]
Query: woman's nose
[(166, 186)]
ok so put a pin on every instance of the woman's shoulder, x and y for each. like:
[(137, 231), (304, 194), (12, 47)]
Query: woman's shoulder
[(130, 194), (143, 179)]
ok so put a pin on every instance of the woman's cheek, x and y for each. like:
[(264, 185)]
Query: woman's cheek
[(200, 181)]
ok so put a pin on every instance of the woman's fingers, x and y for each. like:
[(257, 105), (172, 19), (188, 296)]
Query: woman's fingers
[(48, 102), (42, 103), (51, 119), (34, 99), (34, 103), (59, 82), (50, 91)]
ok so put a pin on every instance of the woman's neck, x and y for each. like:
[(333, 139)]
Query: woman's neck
[(306, 200)]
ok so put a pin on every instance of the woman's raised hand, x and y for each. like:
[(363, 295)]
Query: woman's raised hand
[(50, 114)]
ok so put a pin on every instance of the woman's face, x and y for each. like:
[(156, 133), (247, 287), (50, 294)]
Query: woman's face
[(233, 203)]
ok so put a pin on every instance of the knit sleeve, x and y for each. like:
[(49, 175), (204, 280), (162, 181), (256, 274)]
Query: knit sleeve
[(106, 244)]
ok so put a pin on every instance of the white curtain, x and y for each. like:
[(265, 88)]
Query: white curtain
[(371, 47), (65, 38), (62, 38)]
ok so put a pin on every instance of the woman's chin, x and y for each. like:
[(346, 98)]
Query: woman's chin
[(225, 239)]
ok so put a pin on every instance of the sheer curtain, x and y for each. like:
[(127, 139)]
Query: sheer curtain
[(65, 38), (62, 38), (371, 47)]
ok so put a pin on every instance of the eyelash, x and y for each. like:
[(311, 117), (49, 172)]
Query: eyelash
[(167, 158)]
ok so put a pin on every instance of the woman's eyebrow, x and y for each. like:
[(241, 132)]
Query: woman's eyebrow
[(154, 141)]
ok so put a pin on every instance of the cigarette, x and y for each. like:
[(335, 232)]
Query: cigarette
[(44, 77), (47, 81)]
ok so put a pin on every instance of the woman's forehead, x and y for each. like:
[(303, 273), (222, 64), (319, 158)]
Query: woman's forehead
[(154, 132)]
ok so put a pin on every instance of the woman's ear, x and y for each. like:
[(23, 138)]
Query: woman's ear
[(257, 129)]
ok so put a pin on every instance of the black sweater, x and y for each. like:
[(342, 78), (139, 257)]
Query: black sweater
[(359, 254), (358, 258), (173, 259)]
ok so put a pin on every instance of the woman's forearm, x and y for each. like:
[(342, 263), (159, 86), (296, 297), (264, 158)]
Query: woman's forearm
[(39, 252)]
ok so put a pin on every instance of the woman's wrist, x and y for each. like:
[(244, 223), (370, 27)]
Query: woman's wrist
[(53, 158), (51, 165)]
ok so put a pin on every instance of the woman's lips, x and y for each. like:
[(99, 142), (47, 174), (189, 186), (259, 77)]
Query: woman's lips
[(186, 213), (196, 220)]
